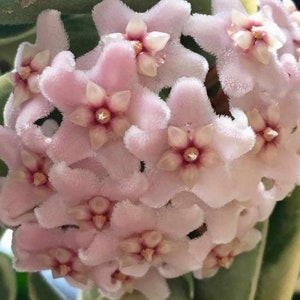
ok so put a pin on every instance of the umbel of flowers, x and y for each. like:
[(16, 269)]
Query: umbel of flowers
[(127, 189)]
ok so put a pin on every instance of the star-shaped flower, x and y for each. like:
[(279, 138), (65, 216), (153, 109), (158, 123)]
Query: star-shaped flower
[(154, 36), (246, 47), (193, 150)]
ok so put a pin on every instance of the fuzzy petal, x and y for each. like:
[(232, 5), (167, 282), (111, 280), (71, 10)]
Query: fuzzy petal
[(107, 72), (128, 218), (77, 140), (151, 279), (74, 185), (103, 249), (50, 32), (111, 16), (9, 148), (55, 84), (163, 186), (180, 222), (188, 102), (147, 110), (146, 145), (53, 213), (118, 161)]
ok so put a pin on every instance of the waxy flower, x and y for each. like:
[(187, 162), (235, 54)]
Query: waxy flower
[(146, 45), (31, 60), (114, 284), (274, 120), (101, 104), (141, 237), (86, 197), (39, 249), (188, 153), (223, 255), (155, 38), (245, 46), (287, 17), (110, 186), (28, 176)]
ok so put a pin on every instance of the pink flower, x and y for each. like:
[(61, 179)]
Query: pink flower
[(155, 38), (274, 119), (245, 45), (101, 104), (222, 255), (28, 176), (85, 198), (141, 237), (287, 17), (114, 284), (37, 249), (192, 152), (31, 60)]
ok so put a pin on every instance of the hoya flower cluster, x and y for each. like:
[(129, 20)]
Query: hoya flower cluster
[(111, 186)]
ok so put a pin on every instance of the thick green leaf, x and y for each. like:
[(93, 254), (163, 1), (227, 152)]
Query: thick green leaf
[(189, 278), (22, 280), (5, 89), (92, 294), (40, 289), (180, 289), (2, 230), (8, 31), (10, 45), (82, 33), (240, 281), (282, 255), (8, 287), (26, 11)]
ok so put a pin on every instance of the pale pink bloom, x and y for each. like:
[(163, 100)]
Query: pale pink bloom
[(31, 60), (28, 176), (101, 104), (141, 237), (192, 153), (114, 284), (222, 255), (84, 198), (73, 203), (239, 217), (274, 120), (214, 218), (154, 36), (37, 249), (287, 17), (245, 46)]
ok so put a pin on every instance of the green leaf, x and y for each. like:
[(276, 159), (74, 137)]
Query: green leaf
[(26, 11), (203, 6), (7, 31), (82, 33), (189, 278), (5, 89), (240, 281), (8, 287), (282, 255), (2, 230), (9, 46), (91, 294), (22, 280), (40, 289), (180, 289)]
